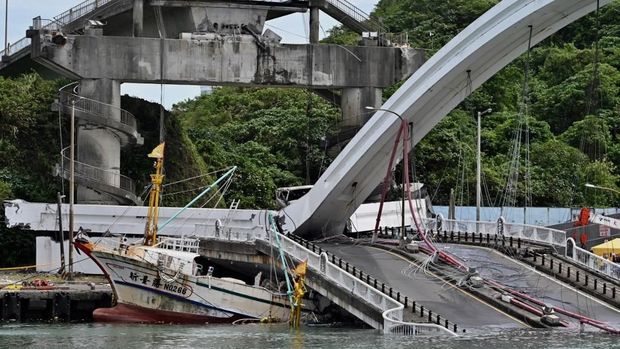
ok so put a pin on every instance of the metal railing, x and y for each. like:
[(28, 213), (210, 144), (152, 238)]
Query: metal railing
[(592, 261), (231, 233), (62, 19), (543, 235), (357, 14), (80, 10), (90, 172), (96, 108), (180, 244)]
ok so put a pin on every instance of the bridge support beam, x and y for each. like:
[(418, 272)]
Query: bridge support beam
[(314, 25), (98, 146), (138, 17), (354, 101)]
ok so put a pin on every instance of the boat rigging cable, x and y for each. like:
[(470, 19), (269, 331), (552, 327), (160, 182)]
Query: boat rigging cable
[(510, 194)]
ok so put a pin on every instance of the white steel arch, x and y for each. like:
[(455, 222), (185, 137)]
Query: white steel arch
[(483, 48)]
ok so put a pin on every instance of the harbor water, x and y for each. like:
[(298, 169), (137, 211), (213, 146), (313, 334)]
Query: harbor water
[(280, 336)]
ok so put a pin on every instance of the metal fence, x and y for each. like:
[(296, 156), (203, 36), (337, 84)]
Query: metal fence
[(592, 261), (544, 235)]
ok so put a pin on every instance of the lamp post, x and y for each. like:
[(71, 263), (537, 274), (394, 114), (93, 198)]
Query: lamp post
[(615, 191), (402, 225), (6, 28), (479, 166)]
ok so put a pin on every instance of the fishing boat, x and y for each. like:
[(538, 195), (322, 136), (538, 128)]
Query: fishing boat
[(159, 281)]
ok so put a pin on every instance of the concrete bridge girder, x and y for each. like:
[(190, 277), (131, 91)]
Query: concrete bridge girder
[(231, 60)]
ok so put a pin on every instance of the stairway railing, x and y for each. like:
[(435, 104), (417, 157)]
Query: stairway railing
[(65, 18), (357, 14), (97, 108), (90, 172)]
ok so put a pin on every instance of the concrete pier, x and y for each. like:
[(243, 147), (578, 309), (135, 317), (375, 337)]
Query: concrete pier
[(63, 303)]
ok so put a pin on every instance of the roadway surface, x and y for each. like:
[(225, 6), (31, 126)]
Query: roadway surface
[(424, 287), (518, 276)]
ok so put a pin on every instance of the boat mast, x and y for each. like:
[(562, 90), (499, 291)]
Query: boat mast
[(150, 230)]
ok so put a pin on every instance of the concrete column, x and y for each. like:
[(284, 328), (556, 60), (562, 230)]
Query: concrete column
[(314, 25), (353, 102), (138, 17), (97, 146)]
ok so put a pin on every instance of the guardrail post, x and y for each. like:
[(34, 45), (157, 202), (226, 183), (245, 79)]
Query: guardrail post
[(390, 292), (382, 288), (586, 283), (595, 283), (560, 268), (445, 235), (519, 243), (438, 319), (347, 266), (613, 292), (375, 285), (551, 264), (604, 288), (466, 237), (543, 260), (367, 279), (488, 239), (430, 315), (398, 296), (458, 236), (405, 302), (446, 324), (334, 258), (421, 310), (454, 328), (480, 238), (340, 263), (451, 236), (568, 271), (511, 241)]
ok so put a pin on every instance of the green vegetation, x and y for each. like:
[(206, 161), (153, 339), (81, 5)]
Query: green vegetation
[(274, 135)]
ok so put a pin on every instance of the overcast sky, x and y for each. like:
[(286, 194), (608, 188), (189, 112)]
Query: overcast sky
[(292, 28)]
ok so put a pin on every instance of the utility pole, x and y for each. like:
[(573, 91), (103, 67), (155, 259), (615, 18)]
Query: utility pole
[(6, 28), (61, 236), (71, 189), (479, 166)]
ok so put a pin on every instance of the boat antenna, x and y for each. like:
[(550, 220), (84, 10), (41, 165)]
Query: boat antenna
[(150, 230)]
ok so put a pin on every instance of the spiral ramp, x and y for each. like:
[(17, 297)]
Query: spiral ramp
[(91, 114)]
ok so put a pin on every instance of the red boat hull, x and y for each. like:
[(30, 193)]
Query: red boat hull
[(125, 313)]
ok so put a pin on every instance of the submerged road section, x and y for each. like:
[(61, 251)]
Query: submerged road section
[(520, 277), (424, 287)]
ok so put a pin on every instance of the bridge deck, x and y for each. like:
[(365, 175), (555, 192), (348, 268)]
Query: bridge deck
[(425, 288), (516, 275)]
